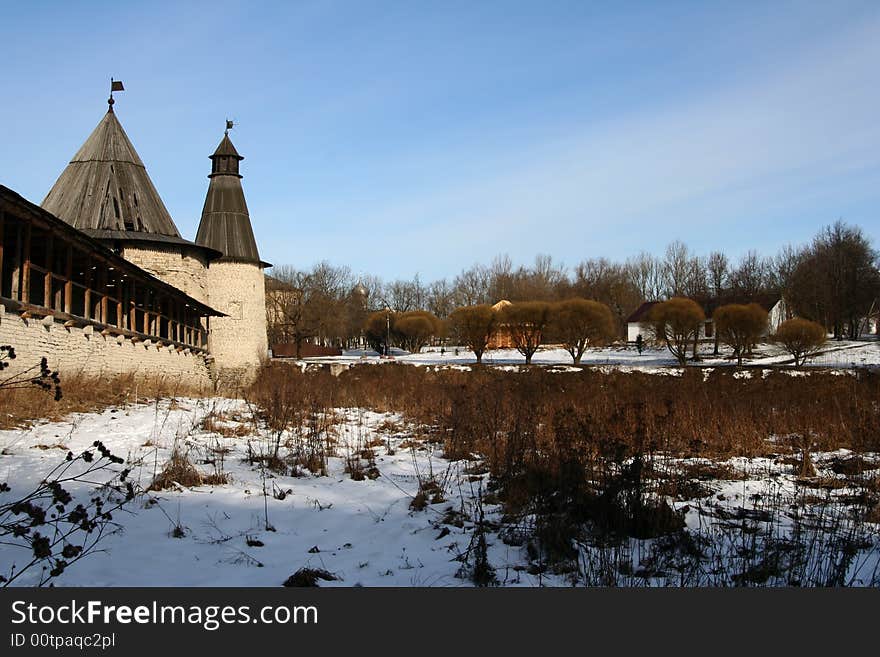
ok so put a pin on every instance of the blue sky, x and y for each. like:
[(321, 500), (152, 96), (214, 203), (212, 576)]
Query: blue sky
[(421, 137)]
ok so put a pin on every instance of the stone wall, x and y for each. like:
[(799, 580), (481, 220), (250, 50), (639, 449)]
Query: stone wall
[(179, 266), (239, 341), (75, 350)]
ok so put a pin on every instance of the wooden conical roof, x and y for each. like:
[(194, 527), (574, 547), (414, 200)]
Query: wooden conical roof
[(226, 224), (106, 189)]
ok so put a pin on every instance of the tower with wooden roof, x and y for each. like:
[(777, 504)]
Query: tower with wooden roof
[(106, 193), (235, 281)]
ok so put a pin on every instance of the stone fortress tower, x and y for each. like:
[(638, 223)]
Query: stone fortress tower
[(105, 192), (235, 281)]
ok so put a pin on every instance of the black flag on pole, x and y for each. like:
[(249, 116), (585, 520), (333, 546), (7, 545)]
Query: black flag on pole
[(116, 85)]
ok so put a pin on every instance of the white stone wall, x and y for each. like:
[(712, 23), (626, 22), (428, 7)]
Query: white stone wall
[(237, 342), (183, 268), (75, 350)]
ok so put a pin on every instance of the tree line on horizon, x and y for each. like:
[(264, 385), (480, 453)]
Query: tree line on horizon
[(833, 280)]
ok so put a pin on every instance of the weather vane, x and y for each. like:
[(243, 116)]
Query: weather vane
[(115, 85), (229, 125)]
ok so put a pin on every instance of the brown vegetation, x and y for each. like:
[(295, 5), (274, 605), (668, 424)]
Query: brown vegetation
[(740, 326), (695, 414), (83, 394), (473, 327), (526, 322), (568, 450), (180, 471), (677, 323), (801, 338), (579, 324)]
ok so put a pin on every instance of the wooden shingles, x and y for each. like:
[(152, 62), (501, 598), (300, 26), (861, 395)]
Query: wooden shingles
[(106, 187)]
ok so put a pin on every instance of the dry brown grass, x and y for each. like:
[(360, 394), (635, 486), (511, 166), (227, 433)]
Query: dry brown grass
[(719, 416), (571, 446), (83, 394), (223, 425), (179, 470)]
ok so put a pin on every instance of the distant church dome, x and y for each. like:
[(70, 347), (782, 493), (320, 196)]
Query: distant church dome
[(359, 291)]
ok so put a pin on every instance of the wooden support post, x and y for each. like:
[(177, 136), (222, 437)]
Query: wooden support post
[(68, 286), (103, 284), (26, 265), (47, 278), (177, 322), (15, 290), (87, 296), (132, 313)]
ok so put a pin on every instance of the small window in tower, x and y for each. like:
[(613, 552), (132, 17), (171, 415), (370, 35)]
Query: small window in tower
[(129, 224), (116, 207)]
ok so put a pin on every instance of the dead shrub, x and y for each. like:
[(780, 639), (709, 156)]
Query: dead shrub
[(179, 470), (309, 577)]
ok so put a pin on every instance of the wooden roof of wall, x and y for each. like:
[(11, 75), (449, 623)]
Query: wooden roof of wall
[(17, 205)]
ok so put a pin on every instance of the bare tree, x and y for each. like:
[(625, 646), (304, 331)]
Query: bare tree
[(646, 274), (609, 283), (441, 298), (471, 287), (751, 276), (718, 268), (836, 281), (405, 296), (677, 269)]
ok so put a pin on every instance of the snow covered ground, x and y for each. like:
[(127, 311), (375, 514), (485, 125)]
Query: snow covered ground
[(363, 532), (845, 354)]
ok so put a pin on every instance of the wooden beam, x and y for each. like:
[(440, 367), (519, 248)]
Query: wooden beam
[(103, 283), (47, 279), (15, 289), (68, 286), (26, 265), (132, 313), (87, 297)]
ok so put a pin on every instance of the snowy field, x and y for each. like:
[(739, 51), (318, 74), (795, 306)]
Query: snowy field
[(261, 527), (845, 354)]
